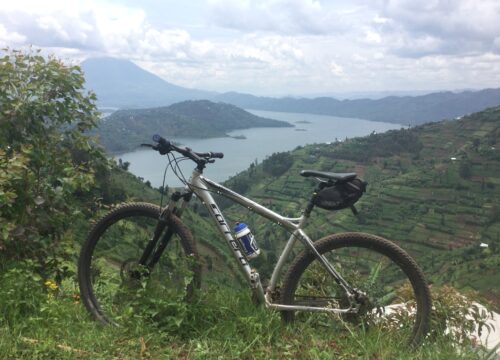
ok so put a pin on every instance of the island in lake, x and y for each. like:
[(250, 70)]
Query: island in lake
[(125, 130), (239, 137), (302, 122)]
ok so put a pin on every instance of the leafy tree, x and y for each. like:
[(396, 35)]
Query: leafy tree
[(163, 190), (123, 164), (362, 150), (45, 157), (278, 163), (465, 169)]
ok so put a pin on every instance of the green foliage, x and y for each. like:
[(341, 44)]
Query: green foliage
[(123, 164), (21, 293), (125, 130), (465, 169), (364, 149), (221, 322), (277, 163), (158, 303), (45, 158), (456, 316)]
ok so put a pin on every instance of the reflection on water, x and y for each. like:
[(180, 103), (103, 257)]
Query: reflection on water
[(259, 143)]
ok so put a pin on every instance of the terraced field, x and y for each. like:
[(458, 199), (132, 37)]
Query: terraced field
[(433, 189)]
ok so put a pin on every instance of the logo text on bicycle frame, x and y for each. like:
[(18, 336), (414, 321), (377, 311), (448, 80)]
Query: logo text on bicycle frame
[(218, 215), (225, 230)]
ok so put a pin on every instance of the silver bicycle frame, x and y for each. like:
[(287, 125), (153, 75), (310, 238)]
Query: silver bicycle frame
[(203, 187)]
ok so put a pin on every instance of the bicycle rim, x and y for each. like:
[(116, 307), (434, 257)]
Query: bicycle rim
[(119, 289), (394, 297)]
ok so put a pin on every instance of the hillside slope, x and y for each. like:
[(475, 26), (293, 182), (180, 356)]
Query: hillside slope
[(124, 130), (412, 110), (433, 189)]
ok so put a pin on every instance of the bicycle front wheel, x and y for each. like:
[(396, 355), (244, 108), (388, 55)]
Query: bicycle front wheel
[(392, 293), (115, 286)]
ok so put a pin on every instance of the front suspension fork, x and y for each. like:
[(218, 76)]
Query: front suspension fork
[(155, 247)]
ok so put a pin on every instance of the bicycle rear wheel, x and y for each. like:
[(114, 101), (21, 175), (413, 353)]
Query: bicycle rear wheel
[(115, 287), (394, 295)]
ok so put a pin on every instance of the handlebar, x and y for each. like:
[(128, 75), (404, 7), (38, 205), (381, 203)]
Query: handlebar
[(163, 146)]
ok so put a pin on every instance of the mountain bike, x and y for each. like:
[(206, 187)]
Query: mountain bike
[(140, 251)]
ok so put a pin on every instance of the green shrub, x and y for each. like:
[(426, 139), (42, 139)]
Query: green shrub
[(456, 316), (46, 159), (22, 294), (278, 163)]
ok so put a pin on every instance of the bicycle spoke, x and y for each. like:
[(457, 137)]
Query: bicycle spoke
[(120, 286), (384, 296)]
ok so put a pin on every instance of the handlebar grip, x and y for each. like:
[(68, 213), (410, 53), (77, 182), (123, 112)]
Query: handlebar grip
[(157, 138), (164, 146), (160, 140), (217, 155)]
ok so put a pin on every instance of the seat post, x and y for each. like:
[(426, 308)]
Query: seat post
[(310, 205)]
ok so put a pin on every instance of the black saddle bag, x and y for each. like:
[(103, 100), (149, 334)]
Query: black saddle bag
[(339, 196)]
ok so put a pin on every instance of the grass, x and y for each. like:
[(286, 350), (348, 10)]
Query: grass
[(222, 323)]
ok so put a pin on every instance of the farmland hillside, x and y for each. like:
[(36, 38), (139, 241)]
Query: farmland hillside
[(433, 189)]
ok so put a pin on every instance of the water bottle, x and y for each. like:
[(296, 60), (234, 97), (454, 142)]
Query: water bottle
[(246, 240)]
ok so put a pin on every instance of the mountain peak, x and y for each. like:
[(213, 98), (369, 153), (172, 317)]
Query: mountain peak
[(106, 60), (122, 83)]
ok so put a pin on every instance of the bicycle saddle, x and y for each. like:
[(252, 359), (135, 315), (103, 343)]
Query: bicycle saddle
[(328, 175)]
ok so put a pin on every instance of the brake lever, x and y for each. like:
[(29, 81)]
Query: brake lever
[(148, 145)]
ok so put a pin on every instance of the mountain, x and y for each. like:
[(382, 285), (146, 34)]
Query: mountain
[(121, 83), (412, 110), (124, 130), (433, 189)]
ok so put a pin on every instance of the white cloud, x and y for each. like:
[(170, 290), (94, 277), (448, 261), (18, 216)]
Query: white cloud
[(248, 63), (336, 69), (278, 46), (289, 17), (83, 28), (372, 37), (441, 26), (358, 58), (98, 28), (10, 38), (380, 20)]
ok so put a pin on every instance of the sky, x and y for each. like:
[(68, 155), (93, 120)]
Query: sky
[(274, 47)]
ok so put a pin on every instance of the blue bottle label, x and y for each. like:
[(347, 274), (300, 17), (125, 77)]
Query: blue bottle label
[(246, 240)]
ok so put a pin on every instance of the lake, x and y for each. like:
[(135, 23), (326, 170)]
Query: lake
[(259, 143)]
